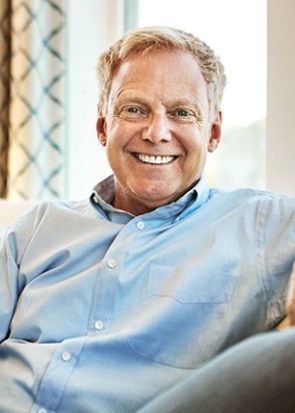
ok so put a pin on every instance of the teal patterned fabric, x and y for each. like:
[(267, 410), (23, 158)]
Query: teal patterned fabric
[(37, 133)]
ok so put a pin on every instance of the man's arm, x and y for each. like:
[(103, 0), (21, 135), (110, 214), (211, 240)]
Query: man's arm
[(290, 305)]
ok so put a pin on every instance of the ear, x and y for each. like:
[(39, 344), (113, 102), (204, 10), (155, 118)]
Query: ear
[(215, 133), (101, 130)]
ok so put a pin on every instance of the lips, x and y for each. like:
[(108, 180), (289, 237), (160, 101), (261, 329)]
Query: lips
[(154, 159)]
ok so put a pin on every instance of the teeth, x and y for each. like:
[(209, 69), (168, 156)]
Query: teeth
[(155, 159)]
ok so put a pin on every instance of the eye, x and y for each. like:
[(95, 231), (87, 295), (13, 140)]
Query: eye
[(182, 113), (132, 110)]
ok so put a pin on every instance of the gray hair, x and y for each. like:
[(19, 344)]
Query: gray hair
[(149, 39)]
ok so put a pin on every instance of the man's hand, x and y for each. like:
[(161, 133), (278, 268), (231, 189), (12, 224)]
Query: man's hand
[(290, 304)]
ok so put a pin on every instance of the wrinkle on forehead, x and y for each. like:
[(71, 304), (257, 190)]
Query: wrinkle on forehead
[(169, 77)]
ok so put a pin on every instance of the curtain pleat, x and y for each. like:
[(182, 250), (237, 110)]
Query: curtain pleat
[(5, 43)]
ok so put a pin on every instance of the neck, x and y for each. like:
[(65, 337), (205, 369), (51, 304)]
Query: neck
[(133, 206)]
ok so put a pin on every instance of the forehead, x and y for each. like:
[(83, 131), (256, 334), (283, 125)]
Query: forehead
[(159, 71)]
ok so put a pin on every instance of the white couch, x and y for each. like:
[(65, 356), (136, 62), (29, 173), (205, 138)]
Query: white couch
[(10, 210)]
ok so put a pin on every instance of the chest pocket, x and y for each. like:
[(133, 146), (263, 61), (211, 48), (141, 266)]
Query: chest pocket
[(188, 285), (184, 315)]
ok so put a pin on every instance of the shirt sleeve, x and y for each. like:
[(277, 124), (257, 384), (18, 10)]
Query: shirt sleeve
[(13, 243)]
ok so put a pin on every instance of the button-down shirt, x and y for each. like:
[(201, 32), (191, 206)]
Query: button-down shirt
[(102, 310)]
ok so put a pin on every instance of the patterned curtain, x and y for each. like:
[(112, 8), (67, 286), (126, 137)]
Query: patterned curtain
[(32, 99)]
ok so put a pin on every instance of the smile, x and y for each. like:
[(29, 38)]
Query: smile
[(152, 159)]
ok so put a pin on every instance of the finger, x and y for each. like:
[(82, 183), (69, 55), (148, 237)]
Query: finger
[(290, 304)]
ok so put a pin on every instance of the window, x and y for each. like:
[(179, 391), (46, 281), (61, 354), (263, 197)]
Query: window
[(237, 31)]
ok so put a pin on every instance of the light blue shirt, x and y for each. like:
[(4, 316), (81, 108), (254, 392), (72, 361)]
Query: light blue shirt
[(101, 310)]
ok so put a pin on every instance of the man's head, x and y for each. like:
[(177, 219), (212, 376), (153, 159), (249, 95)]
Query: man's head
[(158, 115), (146, 40)]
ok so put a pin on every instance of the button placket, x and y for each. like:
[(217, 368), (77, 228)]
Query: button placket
[(96, 324), (101, 316)]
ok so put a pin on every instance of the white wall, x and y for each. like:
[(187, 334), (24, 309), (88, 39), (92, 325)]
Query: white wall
[(280, 150), (93, 25)]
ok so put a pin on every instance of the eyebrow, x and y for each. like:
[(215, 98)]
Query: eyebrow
[(126, 96), (185, 102)]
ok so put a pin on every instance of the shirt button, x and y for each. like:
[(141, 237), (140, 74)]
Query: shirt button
[(66, 356), (140, 225), (98, 325), (112, 263), (42, 411)]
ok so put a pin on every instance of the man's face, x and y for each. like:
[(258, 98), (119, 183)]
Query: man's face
[(157, 130)]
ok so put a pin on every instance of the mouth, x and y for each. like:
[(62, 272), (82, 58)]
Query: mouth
[(154, 159)]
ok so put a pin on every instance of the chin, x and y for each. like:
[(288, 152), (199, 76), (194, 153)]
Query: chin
[(157, 195)]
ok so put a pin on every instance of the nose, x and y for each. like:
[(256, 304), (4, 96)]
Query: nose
[(158, 129)]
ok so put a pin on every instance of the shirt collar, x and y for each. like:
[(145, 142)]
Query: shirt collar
[(103, 195)]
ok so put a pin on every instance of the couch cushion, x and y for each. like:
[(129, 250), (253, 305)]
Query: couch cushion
[(11, 210)]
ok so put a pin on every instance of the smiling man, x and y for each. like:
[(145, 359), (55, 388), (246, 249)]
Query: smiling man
[(157, 129), (151, 295)]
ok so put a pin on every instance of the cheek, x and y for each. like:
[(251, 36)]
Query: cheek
[(114, 140), (196, 145), (117, 142), (113, 154), (196, 154), (120, 133)]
